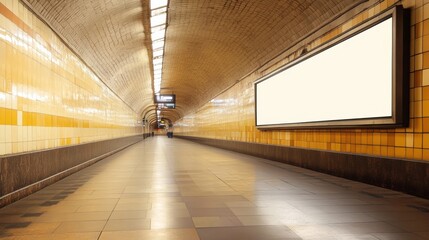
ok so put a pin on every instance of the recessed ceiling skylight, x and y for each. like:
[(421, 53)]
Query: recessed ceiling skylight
[(158, 53), (158, 11), (158, 35), (158, 23), (154, 4), (157, 28), (158, 20), (158, 44)]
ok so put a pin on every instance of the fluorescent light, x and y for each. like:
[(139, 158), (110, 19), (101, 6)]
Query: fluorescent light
[(154, 4), (157, 61), (158, 20), (158, 49), (157, 28), (158, 11), (158, 53), (157, 44), (158, 35)]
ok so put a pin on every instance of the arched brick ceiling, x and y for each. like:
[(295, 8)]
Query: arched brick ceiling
[(210, 44)]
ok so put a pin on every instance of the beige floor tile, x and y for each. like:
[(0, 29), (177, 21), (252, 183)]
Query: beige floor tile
[(166, 222), (145, 200), (259, 220), (133, 206), (127, 224), (397, 236), (201, 222), (248, 233), (32, 228), (173, 213), (84, 216), (82, 226), (160, 234), (129, 215), (61, 236), (96, 208)]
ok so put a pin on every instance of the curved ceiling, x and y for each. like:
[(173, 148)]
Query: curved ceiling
[(111, 37), (209, 44)]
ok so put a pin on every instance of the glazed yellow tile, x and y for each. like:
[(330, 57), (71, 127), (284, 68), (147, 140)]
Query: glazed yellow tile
[(418, 109), (35, 80), (8, 117), (418, 30), (425, 112), (418, 153), (425, 123), (425, 140), (425, 27), (377, 139), (416, 94), (424, 44), (409, 153), (422, 60), (376, 150), (418, 125), (418, 140), (425, 12), (2, 116), (409, 140), (425, 154)]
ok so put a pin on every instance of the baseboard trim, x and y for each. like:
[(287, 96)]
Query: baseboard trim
[(408, 176)]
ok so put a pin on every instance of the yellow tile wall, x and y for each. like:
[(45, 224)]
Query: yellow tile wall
[(230, 116), (48, 97)]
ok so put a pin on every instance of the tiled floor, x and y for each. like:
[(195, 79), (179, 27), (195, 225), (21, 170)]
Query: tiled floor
[(173, 189)]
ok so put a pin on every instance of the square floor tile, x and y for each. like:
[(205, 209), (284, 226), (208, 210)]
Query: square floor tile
[(248, 233), (127, 224), (166, 222), (209, 212), (159, 234), (83, 226), (204, 222)]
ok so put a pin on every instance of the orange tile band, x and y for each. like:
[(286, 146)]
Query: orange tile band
[(10, 117), (15, 19)]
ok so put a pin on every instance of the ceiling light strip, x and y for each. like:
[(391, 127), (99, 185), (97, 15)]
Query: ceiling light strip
[(158, 23)]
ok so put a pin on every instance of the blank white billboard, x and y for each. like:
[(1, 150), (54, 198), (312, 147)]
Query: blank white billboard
[(349, 80)]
